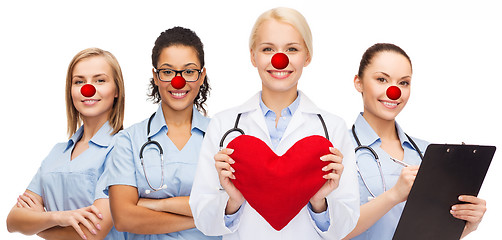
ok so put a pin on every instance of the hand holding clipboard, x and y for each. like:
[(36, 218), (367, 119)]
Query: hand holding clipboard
[(446, 172)]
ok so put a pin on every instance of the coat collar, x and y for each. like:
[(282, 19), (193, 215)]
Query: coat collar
[(252, 107), (102, 138), (305, 105), (158, 122), (367, 136)]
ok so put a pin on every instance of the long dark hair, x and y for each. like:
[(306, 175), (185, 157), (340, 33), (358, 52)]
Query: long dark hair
[(184, 37)]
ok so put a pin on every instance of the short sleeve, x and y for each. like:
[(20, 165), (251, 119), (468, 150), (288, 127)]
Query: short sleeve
[(120, 167), (35, 184), (101, 183)]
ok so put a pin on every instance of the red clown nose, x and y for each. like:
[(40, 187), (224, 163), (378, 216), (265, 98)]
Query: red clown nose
[(178, 82), (393, 92), (280, 61), (88, 90)]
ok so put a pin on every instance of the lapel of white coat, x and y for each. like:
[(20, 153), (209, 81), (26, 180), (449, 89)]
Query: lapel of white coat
[(253, 107), (298, 119)]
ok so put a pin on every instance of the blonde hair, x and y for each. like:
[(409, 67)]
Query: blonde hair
[(285, 15), (116, 117)]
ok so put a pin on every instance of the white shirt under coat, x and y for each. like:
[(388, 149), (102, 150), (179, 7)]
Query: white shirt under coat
[(208, 202)]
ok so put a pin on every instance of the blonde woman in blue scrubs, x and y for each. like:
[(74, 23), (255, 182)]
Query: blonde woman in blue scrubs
[(382, 66), (65, 199), (149, 198)]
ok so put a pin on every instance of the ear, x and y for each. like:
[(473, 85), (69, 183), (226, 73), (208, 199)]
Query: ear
[(358, 84), (202, 76), (155, 79), (252, 54), (307, 60)]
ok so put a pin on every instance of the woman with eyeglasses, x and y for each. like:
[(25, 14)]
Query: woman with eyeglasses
[(384, 81), (65, 198), (153, 163)]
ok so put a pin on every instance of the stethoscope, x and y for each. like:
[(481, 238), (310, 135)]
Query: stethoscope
[(161, 152), (377, 160), (237, 129)]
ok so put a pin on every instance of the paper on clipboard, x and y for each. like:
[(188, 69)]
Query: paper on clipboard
[(446, 172)]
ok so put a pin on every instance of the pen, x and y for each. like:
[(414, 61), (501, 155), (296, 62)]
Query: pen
[(400, 162)]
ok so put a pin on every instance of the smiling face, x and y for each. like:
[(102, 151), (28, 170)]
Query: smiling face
[(386, 69), (178, 57), (272, 37), (95, 71)]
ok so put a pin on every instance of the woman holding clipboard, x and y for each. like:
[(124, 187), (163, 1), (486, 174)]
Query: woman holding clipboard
[(386, 157)]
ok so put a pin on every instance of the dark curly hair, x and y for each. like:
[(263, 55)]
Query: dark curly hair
[(184, 37)]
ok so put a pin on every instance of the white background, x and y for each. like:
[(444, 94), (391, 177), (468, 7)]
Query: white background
[(455, 47)]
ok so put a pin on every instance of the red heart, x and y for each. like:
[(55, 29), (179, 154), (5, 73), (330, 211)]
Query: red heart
[(278, 187)]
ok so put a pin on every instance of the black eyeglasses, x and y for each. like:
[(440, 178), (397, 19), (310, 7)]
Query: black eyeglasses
[(166, 74)]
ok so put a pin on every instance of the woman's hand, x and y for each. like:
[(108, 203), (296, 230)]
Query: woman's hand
[(84, 216), (471, 211), (401, 190), (225, 171), (29, 201), (334, 171)]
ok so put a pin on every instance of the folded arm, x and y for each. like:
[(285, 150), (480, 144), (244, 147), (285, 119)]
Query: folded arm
[(29, 217), (124, 205)]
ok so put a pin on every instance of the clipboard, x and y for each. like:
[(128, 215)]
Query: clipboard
[(446, 172)]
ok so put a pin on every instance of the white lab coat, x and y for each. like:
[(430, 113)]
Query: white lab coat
[(208, 202)]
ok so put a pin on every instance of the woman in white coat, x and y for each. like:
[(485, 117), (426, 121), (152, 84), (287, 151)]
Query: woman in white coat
[(279, 115)]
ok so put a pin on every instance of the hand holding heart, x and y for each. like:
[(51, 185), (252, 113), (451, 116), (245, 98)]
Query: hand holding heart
[(335, 167), (225, 173)]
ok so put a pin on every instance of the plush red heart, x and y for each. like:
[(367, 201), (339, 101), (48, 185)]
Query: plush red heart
[(278, 187)]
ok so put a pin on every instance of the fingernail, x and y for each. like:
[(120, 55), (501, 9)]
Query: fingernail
[(84, 237), (331, 149), (100, 216), (98, 226), (232, 177), (453, 208), (230, 151), (325, 168), (460, 198), (322, 158), (232, 169), (93, 231), (231, 161)]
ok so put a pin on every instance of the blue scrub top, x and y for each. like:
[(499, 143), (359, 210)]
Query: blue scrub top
[(66, 184), (179, 166), (385, 227)]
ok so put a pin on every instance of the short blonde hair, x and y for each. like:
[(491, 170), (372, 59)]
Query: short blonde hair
[(285, 15), (116, 117)]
